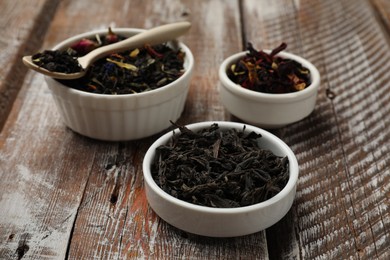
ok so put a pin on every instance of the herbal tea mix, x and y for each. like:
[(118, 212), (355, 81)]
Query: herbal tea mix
[(133, 71), (269, 73), (219, 168)]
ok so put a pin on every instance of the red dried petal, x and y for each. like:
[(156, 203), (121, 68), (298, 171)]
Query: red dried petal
[(84, 46), (111, 37)]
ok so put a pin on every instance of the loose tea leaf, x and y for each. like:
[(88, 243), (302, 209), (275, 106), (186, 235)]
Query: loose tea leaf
[(58, 61), (133, 71), (269, 73), (219, 168), (65, 61)]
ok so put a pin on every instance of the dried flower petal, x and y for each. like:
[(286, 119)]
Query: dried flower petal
[(153, 52), (123, 65), (134, 53), (269, 73), (111, 37), (84, 46)]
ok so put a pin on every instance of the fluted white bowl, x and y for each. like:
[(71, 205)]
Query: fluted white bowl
[(222, 222), (264, 109), (121, 117)]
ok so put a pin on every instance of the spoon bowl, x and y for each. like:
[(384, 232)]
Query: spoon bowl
[(152, 36), (27, 60)]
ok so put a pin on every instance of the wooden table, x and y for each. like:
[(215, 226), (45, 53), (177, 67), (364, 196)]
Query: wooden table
[(66, 196)]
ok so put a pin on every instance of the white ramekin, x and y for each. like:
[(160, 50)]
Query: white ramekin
[(222, 222), (264, 109), (121, 117)]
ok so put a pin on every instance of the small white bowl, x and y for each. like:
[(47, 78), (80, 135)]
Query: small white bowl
[(121, 117), (222, 222), (264, 109)]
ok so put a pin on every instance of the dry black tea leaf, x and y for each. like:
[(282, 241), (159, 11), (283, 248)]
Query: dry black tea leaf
[(58, 61), (219, 168)]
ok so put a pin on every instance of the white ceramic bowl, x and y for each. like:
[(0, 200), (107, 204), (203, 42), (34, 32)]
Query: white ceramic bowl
[(264, 109), (222, 222), (121, 117)]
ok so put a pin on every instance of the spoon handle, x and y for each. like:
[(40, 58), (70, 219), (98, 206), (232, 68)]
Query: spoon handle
[(155, 35)]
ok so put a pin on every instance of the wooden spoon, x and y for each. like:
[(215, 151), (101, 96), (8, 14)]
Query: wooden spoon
[(152, 36)]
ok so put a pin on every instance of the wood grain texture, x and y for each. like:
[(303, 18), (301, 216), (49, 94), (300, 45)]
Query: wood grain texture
[(106, 213), (40, 197), (23, 25), (128, 228), (341, 210), (64, 196), (383, 11)]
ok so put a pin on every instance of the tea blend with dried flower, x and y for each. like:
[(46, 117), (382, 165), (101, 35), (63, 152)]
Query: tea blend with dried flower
[(133, 71), (219, 168), (269, 73)]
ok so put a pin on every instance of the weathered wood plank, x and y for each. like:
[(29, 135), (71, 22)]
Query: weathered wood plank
[(90, 194), (128, 228), (341, 209), (383, 9), (23, 25), (42, 178), (66, 196)]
